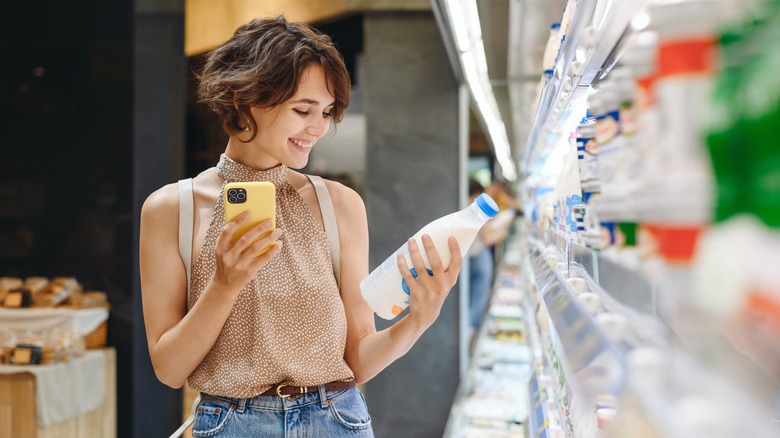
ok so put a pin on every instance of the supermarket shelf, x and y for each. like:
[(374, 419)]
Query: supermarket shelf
[(491, 400), (673, 395), (628, 287), (569, 356), (602, 46), (586, 349), (645, 329), (692, 400)]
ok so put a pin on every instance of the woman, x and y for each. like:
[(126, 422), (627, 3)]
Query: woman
[(481, 261), (274, 343)]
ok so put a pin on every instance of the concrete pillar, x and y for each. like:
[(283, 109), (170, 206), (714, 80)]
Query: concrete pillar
[(158, 157), (416, 119)]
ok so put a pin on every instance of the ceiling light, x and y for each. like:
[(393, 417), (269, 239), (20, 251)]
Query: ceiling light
[(462, 18)]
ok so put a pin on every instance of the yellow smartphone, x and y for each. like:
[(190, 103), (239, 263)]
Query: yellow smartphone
[(259, 197)]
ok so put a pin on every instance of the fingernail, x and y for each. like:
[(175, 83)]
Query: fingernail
[(246, 215), (453, 240), (412, 242)]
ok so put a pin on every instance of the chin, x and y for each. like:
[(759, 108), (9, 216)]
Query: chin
[(297, 164)]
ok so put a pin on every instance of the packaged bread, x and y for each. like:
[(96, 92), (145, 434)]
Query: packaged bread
[(36, 285), (87, 299), (48, 355), (8, 283), (58, 291), (15, 298)]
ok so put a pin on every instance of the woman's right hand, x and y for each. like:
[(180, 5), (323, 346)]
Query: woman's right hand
[(237, 263)]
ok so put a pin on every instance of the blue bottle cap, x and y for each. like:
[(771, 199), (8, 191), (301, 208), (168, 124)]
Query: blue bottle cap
[(555, 25), (487, 204)]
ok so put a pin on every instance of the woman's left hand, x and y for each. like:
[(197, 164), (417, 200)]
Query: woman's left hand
[(427, 292)]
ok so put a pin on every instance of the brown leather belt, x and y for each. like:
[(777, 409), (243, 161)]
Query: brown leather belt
[(285, 391)]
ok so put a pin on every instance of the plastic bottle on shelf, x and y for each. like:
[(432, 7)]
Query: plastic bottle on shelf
[(624, 87), (552, 48), (586, 148), (568, 12), (610, 142), (761, 116), (546, 76), (385, 290), (679, 186), (591, 181), (724, 132), (682, 187), (639, 58), (735, 271)]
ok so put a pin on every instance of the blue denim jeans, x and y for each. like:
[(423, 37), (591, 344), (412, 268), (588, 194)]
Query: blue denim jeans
[(480, 282), (317, 414)]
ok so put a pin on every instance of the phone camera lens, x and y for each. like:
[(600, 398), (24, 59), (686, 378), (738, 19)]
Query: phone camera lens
[(232, 192), (232, 199), (241, 195)]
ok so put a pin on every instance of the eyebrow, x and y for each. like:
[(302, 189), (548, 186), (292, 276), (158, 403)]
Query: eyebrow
[(312, 102)]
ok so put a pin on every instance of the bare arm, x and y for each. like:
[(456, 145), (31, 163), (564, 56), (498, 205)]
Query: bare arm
[(490, 237), (179, 340), (368, 352)]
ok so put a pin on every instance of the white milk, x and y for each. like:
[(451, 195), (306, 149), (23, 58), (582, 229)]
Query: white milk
[(385, 289)]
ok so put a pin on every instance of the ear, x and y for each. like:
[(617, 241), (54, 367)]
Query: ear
[(244, 114)]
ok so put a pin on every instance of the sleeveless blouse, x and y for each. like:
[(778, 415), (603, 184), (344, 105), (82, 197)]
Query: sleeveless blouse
[(288, 325)]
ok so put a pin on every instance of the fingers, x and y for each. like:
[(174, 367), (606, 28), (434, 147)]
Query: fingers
[(226, 237), (252, 249), (253, 234), (406, 273), (259, 260), (432, 253), (264, 244), (456, 260), (418, 262)]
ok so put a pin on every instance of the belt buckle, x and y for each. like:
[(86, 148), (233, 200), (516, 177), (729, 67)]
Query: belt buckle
[(303, 389)]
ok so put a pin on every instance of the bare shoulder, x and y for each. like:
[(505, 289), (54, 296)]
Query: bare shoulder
[(345, 199), (162, 203)]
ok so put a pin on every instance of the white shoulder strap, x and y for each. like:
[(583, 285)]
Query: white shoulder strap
[(188, 422), (329, 220), (186, 212)]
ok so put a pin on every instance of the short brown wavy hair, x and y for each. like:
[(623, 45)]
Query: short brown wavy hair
[(261, 66)]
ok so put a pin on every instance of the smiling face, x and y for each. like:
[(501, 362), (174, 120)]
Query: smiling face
[(286, 133)]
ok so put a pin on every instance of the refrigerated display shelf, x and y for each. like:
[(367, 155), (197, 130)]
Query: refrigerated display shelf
[(588, 53)]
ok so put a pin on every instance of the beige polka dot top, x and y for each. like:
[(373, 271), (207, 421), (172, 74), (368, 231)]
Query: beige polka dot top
[(288, 324)]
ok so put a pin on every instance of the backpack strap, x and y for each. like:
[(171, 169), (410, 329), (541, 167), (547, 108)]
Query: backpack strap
[(186, 213), (329, 220)]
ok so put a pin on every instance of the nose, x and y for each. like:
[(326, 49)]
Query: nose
[(318, 126)]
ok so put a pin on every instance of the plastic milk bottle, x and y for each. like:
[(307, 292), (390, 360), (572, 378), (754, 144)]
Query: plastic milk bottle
[(386, 291)]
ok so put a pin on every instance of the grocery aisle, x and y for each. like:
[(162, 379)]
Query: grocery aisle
[(640, 296)]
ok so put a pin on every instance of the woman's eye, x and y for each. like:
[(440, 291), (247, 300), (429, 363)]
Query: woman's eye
[(303, 113), (326, 115)]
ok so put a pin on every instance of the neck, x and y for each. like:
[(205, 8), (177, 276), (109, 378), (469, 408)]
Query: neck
[(249, 154)]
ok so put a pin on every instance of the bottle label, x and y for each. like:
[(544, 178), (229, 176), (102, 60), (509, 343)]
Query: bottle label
[(587, 149), (606, 128), (628, 118), (686, 56), (405, 286)]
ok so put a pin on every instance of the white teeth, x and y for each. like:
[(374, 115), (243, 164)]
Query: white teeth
[(297, 143)]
